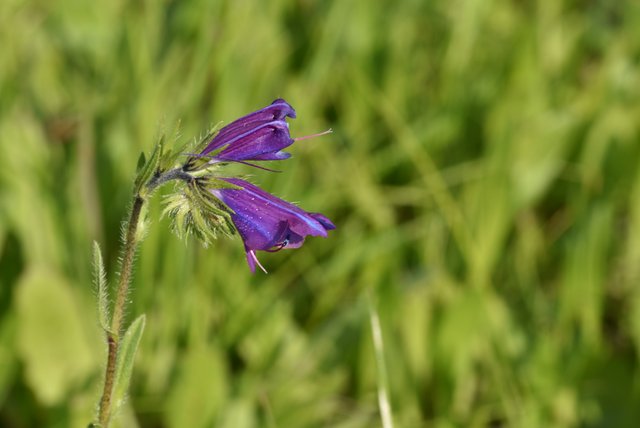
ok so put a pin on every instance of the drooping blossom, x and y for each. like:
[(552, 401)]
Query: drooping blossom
[(268, 223)]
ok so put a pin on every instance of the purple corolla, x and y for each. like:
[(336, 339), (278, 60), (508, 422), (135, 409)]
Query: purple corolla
[(258, 136), (267, 223), (264, 222)]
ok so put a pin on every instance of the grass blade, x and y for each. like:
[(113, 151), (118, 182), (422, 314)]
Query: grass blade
[(383, 383)]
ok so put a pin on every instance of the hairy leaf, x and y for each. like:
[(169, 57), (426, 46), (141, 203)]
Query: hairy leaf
[(100, 279), (126, 358)]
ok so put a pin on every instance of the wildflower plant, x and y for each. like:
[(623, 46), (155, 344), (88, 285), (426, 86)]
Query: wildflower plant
[(206, 203)]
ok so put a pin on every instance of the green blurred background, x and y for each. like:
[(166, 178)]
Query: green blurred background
[(483, 175)]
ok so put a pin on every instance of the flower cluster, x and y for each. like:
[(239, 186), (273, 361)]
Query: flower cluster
[(263, 221)]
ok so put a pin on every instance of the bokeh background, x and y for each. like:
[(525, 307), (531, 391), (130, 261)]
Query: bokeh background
[(483, 174)]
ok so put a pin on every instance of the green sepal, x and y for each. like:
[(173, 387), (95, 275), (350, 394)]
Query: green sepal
[(142, 159), (206, 138), (195, 211), (100, 279), (124, 364), (217, 183), (150, 167), (170, 157), (196, 163)]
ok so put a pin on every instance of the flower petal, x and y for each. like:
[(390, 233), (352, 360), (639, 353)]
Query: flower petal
[(277, 111), (262, 143), (324, 221), (266, 222)]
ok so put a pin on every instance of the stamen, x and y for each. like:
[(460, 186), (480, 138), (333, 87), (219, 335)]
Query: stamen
[(255, 259), (306, 137)]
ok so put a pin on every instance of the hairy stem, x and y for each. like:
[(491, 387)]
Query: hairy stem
[(130, 245), (113, 336), (173, 174)]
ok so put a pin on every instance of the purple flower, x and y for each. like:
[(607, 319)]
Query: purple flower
[(267, 223), (264, 222), (259, 136)]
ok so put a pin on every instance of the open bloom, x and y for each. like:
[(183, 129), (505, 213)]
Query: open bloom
[(264, 222), (268, 223)]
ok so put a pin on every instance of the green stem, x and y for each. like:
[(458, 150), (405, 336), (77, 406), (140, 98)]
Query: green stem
[(130, 245), (113, 336)]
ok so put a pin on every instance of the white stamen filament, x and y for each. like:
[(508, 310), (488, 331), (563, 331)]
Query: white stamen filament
[(255, 259), (306, 137)]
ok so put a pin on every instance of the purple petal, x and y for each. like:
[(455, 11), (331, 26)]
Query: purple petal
[(265, 222), (251, 259), (261, 143), (323, 220), (273, 156), (277, 111)]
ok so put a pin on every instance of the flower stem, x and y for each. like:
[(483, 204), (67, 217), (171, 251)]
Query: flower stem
[(131, 240), (113, 336), (172, 174)]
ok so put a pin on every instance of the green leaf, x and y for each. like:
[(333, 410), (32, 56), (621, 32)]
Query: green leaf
[(100, 279), (126, 357)]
